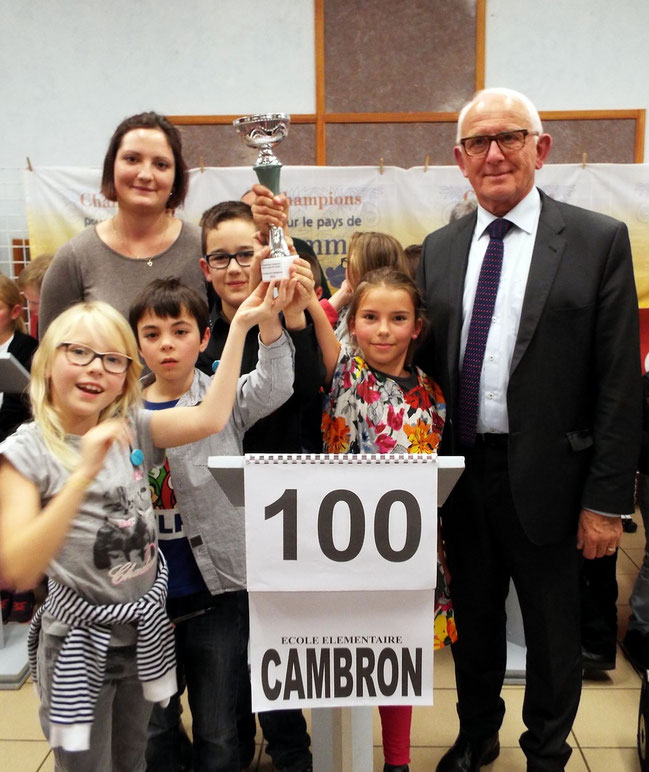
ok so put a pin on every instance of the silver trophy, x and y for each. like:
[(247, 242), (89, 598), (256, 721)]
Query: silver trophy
[(262, 132)]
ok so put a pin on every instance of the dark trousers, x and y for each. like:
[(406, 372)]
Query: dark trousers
[(209, 648), (287, 741), (599, 606), (486, 545)]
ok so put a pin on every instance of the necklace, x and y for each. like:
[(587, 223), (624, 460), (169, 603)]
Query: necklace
[(129, 251)]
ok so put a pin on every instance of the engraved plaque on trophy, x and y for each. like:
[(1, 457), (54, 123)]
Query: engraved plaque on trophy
[(262, 132)]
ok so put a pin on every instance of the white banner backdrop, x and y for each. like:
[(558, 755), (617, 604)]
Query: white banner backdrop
[(329, 203)]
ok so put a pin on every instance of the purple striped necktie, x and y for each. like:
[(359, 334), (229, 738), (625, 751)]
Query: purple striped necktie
[(483, 307)]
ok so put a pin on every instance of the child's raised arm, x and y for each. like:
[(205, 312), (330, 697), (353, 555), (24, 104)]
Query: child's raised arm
[(329, 344), (294, 316), (30, 536), (181, 425)]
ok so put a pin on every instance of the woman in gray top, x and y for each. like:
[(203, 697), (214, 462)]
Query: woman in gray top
[(145, 174)]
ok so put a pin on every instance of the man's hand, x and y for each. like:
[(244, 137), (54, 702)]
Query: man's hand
[(269, 209), (598, 535)]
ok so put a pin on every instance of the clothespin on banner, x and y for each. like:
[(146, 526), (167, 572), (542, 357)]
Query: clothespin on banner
[(381, 165), (584, 158), (426, 162), (29, 165)]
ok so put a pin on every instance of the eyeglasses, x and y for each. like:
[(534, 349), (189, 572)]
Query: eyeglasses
[(221, 260), (506, 141), (80, 355)]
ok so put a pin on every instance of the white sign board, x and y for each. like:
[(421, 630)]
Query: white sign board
[(341, 560), (318, 649), (363, 522)]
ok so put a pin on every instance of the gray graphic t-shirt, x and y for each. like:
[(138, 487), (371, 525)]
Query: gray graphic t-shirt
[(110, 552)]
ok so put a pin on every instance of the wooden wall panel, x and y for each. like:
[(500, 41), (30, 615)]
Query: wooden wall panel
[(399, 144), (603, 141), (399, 55)]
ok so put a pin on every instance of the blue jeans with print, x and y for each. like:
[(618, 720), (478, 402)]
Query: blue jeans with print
[(209, 647)]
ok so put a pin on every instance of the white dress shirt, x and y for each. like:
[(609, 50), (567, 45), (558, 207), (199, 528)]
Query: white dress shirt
[(517, 258)]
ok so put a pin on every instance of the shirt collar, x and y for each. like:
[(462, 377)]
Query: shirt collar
[(524, 215)]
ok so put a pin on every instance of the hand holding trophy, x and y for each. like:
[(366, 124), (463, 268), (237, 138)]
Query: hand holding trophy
[(262, 132)]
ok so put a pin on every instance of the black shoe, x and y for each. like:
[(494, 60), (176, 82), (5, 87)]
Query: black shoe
[(466, 755), (301, 765), (595, 663), (396, 768), (636, 647), (247, 756)]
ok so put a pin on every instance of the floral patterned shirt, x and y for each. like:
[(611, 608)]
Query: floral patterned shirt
[(369, 412)]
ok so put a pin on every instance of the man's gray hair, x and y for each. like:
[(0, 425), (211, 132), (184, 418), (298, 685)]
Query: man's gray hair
[(516, 96)]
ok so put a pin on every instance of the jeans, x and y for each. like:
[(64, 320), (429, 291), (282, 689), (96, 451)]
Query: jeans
[(118, 735), (209, 648), (639, 600)]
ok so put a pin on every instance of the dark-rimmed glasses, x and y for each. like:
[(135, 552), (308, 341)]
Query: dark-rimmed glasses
[(507, 141), (80, 355), (221, 260)]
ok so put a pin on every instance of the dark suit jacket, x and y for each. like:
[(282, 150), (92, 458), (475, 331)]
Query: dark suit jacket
[(15, 407), (573, 399)]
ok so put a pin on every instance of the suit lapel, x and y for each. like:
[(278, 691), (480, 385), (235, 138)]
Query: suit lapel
[(548, 251), (459, 257)]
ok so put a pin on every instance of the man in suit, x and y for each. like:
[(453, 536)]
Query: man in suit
[(551, 438)]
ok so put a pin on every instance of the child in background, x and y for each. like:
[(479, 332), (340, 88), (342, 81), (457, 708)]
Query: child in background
[(379, 403), (366, 252), (413, 255), (14, 409), (30, 281), (75, 502), (201, 534)]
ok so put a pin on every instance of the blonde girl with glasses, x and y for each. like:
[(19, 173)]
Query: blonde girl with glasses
[(75, 503)]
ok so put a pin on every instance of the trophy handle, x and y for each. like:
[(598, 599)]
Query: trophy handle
[(268, 175)]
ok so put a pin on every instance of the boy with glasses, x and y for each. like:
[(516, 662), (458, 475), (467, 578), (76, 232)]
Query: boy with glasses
[(228, 249)]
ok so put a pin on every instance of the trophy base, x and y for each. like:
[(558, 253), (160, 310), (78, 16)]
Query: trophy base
[(276, 267)]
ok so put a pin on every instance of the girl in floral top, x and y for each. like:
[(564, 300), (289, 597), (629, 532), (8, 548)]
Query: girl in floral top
[(380, 403)]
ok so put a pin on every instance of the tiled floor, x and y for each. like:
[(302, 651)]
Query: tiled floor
[(603, 737)]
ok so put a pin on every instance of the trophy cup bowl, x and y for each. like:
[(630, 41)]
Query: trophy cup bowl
[(262, 132)]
